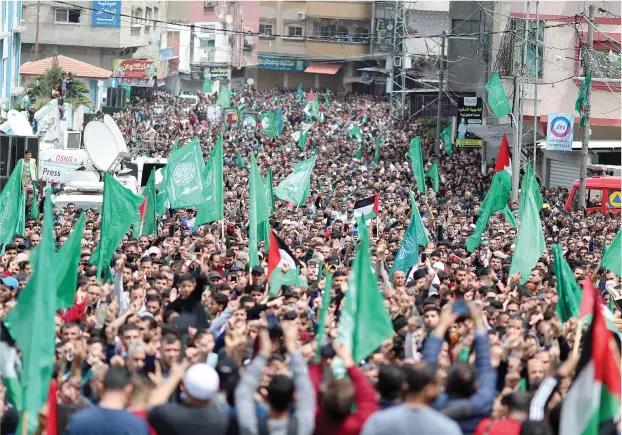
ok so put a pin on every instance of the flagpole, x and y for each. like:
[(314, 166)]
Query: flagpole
[(222, 230)]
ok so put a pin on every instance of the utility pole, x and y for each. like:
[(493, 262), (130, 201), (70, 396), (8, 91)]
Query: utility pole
[(535, 88), (37, 32), (192, 34), (441, 76), (518, 140), (586, 128)]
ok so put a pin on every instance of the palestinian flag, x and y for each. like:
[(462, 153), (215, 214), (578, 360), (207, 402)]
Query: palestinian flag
[(594, 397), (279, 254), (367, 207), (503, 159)]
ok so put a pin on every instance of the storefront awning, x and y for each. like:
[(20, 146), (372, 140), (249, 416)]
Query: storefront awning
[(323, 68)]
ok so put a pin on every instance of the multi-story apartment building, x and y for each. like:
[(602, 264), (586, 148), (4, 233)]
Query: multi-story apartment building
[(558, 75), (96, 32), (316, 43), (214, 39), (11, 29)]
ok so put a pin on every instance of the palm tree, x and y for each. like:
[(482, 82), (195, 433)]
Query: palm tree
[(42, 89)]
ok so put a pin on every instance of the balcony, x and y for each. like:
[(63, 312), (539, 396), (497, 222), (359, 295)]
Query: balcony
[(332, 48), (340, 10)]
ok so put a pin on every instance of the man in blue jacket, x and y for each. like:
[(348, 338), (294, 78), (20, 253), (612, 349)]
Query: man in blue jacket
[(469, 391)]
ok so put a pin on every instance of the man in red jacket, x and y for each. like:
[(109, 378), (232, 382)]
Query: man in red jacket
[(335, 416)]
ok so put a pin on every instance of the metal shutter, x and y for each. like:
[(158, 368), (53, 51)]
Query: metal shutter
[(562, 174)]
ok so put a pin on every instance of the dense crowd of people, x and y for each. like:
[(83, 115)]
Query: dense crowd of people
[(184, 339)]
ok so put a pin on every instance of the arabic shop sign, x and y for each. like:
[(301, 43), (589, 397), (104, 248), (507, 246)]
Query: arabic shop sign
[(135, 69), (106, 13), (281, 63)]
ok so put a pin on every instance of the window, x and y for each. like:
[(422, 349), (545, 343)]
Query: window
[(137, 15), (465, 26), (148, 17), (332, 31), (362, 34), (62, 15), (594, 197), (207, 43), (156, 12), (295, 31), (510, 58), (265, 29)]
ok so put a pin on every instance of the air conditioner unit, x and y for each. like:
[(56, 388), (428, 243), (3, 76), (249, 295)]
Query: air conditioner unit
[(211, 3), (73, 140), (19, 29), (302, 15), (398, 61)]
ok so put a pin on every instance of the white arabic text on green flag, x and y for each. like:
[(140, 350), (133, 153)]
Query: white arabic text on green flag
[(295, 188), (497, 99), (448, 139), (185, 167)]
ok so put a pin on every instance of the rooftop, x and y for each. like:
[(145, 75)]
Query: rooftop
[(69, 65)]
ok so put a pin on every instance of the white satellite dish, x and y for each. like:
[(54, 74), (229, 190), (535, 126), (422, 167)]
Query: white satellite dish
[(112, 125), (19, 124), (229, 19), (250, 81), (101, 145)]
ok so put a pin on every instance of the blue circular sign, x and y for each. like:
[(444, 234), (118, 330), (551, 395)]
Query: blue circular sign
[(560, 127)]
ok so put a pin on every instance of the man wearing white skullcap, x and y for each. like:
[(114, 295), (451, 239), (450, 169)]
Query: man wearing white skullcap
[(196, 414)]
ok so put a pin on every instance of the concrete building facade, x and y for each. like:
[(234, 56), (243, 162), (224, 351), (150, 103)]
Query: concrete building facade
[(319, 44), (96, 32), (11, 29)]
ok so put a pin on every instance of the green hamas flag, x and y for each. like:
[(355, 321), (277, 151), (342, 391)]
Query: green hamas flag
[(496, 200), (224, 96), (269, 190), (20, 225), (295, 188), (303, 135), (119, 210), (68, 257), (356, 132), (497, 99), (212, 209), (326, 95), (207, 85), (530, 238), (10, 199), (185, 166), (408, 254), (448, 140), (611, 259), (34, 208), (321, 328), (359, 152), (31, 324), (239, 161), (582, 98), (150, 224), (509, 216), (422, 234), (416, 161), (568, 289), (364, 323), (432, 173), (299, 93), (268, 124), (259, 210), (377, 143)]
